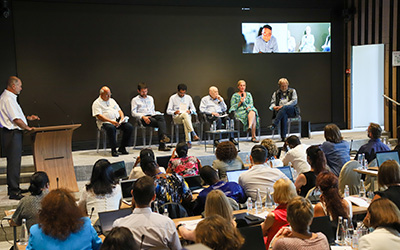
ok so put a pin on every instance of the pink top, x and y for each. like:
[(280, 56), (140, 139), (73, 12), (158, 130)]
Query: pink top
[(280, 221), (292, 243), (185, 166)]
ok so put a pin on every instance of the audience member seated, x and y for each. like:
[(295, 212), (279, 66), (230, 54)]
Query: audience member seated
[(384, 216), (142, 107), (137, 172), (183, 164), (296, 154), (150, 230), (300, 214), (217, 234), (272, 153), (389, 177), (216, 204), (169, 187), (374, 145), (331, 204), (227, 159), (230, 189), (102, 193), (62, 225), (336, 150), (214, 108), (181, 107), (110, 117), (29, 206), (259, 176), (118, 238), (306, 181), (284, 191), (243, 106)]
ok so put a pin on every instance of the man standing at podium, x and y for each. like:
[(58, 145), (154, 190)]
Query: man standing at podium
[(13, 122), (107, 112)]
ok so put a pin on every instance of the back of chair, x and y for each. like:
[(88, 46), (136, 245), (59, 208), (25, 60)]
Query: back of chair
[(323, 224), (349, 177), (254, 238), (175, 210)]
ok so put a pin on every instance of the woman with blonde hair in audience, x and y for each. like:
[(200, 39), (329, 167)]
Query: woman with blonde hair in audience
[(384, 216), (337, 150), (216, 204), (272, 153), (300, 214), (389, 177), (331, 204), (227, 159), (284, 191), (306, 181), (62, 225), (215, 233)]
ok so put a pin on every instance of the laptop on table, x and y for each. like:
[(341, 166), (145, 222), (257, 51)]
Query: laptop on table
[(234, 175), (126, 188), (381, 157)]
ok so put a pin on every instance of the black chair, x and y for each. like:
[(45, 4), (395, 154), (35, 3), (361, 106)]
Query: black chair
[(137, 124), (175, 128), (239, 125), (175, 210), (323, 224), (254, 238), (162, 161)]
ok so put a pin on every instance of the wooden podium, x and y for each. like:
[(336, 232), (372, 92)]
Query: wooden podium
[(52, 153)]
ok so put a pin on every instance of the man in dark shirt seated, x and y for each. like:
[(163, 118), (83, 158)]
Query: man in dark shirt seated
[(230, 189), (374, 145)]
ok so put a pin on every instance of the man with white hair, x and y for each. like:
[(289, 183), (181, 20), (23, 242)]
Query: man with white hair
[(214, 107), (110, 117)]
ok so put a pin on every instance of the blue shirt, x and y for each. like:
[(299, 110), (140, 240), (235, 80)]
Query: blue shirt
[(230, 189), (371, 148), (337, 154), (86, 238), (265, 47)]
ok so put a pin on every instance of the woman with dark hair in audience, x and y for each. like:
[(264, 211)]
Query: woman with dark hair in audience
[(119, 238), (102, 193), (317, 161), (284, 191), (300, 214), (337, 150), (227, 159), (384, 216), (29, 206), (243, 106), (389, 177), (62, 225), (272, 153), (215, 233), (216, 204), (332, 204), (183, 164)]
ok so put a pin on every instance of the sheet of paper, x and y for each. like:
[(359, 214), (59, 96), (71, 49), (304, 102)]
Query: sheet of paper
[(358, 201), (262, 215), (183, 107), (191, 224)]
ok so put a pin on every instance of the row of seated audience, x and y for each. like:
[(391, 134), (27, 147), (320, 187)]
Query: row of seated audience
[(104, 193)]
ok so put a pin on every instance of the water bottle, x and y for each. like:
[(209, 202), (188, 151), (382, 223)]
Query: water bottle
[(361, 158), (24, 236), (258, 203), (362, 189), (232, 124), (227, 125), (346, 191), (249, 205), (365, 164), (340, 231), (215, 125), (156, 207), (268, 199), (349, 234), (166, 211), (344, 234), (247, 159)]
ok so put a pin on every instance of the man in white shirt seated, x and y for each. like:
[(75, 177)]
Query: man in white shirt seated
[(214, 107), (181, 106), (150, 230), (260, 175), (142, 108), (110, 117), (296, 155)]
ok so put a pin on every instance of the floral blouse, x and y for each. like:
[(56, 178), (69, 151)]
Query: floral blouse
[(185, 166)]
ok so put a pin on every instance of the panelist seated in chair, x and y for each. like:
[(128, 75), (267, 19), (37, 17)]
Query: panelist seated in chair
[(181, 106), (284, 106), (214, 106), (110, 117), (142, 108)]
